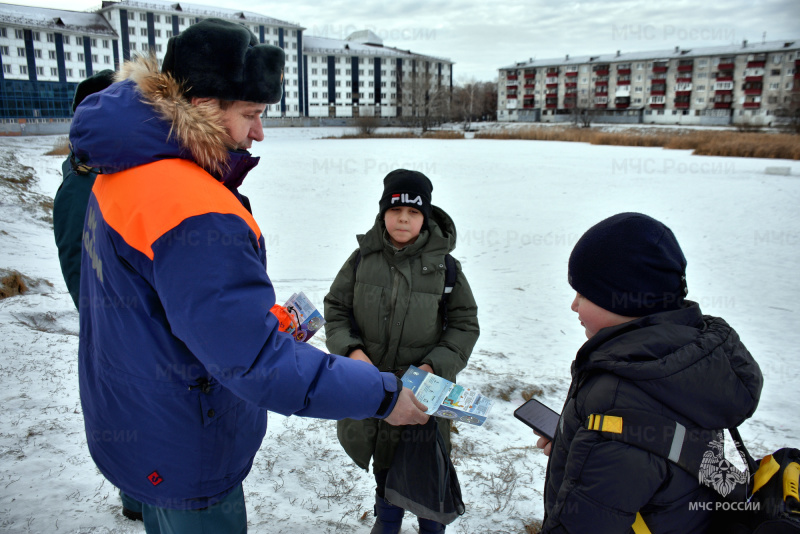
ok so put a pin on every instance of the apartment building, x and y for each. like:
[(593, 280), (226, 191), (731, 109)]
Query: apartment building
[(359, 76), (751, 83), (45, 53)]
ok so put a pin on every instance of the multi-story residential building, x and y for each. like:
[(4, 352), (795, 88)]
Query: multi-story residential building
[(45, 53), (361, 77), (736, 84)]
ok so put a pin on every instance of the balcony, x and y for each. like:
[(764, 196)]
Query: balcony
[(601, 106), (726, 66), (571, 84), (685, 68), (659, 81), (552, 85), (512, 87), (601, 83), (659, 68), (571, 74), (511, 96), (681, 105), (622, 105), (683, 93), (623, 72), (658, 92), (683, 80), (511, 77), (753, 78), (756, 64), (751, 105), (623, 82), (528, 105), (722, 105), (530, 75), (551, 105), (528, 97), (724, 78), (753, 91), (529, 86)]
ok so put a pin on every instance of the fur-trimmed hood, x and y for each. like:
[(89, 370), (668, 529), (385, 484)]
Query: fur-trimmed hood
[(143, 118)]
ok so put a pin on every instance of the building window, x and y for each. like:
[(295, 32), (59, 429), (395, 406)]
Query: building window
[(133, 46), (37, 53), (40, 71), (68, 56), (53, 71), (7, 69), (19, 34), (131, 30), (69, 74), (23, 69), (4, 50), (51, 54), (79, 41), (143, 32), (169, 34), (143, 17), (51, 38), (105, 43), (158, 33), (81, 57), (107, 60), (36, 36), (157, 18), (94, 58), (20, 52), (3, 32), (66, 39)]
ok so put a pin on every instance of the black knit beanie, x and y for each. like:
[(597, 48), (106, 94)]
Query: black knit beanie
[(629, 264), (402, 187), (92, 84), (220, 59)]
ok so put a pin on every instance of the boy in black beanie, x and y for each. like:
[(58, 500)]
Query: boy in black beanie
[(384, 309), (651, 350)]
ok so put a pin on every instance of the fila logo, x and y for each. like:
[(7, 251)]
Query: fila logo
[(403, 199)]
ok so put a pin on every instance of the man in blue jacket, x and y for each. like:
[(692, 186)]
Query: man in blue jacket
[(180, 357)]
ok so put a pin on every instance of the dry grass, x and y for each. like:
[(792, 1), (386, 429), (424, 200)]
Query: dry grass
[(438, 134), (12, 285), (703, 143), (61, 148)]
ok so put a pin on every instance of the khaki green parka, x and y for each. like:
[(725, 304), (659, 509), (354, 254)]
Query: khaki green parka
[(395, 297)]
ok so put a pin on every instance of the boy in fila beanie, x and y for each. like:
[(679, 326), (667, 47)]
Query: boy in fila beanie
[(402, 187)]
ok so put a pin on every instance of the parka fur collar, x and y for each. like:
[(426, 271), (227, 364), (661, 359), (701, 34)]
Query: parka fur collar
[(115, 129)]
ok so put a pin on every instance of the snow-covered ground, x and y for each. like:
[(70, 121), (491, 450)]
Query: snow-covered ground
[(519, 207)]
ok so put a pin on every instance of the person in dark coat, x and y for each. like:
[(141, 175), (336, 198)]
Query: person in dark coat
[(393, 297), (72, 197), (649, 349)]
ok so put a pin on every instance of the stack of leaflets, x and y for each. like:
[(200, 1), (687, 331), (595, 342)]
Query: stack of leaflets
[(446, 399), (308, 317)]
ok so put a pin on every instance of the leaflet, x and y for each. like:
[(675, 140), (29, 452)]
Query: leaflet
[(446, 399)]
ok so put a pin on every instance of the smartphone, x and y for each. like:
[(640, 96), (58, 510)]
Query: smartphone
[(539, 417)]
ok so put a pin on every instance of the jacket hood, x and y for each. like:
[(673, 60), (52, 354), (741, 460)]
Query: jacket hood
[(143, 118), (694, 364), (439, 237)]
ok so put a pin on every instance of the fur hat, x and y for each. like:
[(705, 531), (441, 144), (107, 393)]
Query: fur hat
[(402, 187), (92, 84), (629, 264), (220, 59)]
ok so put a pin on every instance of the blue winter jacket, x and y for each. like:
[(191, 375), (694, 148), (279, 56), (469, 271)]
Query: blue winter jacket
[(180, 357)]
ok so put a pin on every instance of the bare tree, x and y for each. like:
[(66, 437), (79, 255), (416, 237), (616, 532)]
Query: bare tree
[(425, 99), (474, 101)]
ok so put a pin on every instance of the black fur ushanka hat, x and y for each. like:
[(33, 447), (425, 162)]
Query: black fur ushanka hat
[(221, 59)]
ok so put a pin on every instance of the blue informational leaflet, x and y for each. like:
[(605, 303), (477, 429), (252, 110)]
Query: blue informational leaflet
[(446, 399), (308, 317)]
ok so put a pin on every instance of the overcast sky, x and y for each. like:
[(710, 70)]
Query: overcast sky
[(482, 36)]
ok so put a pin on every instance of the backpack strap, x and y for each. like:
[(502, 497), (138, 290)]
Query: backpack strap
[(450, 274), (691, 449), (355, 331)]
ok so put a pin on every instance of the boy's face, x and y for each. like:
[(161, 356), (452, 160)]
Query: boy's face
[(403, 225), (593, 317)]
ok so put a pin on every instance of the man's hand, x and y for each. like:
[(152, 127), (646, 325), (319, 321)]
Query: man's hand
[(407, 411), (543, 443), (427, 368), (359, 354)]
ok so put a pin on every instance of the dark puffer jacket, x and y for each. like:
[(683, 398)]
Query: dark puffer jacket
[(395, 296), (681, 365)]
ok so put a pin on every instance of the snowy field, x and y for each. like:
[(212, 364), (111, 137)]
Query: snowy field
[(519, 207)]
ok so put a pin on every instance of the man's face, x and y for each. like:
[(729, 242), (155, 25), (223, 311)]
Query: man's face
[(242, 120)]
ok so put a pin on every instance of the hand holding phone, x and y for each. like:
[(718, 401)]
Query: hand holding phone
[(539, 417)]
